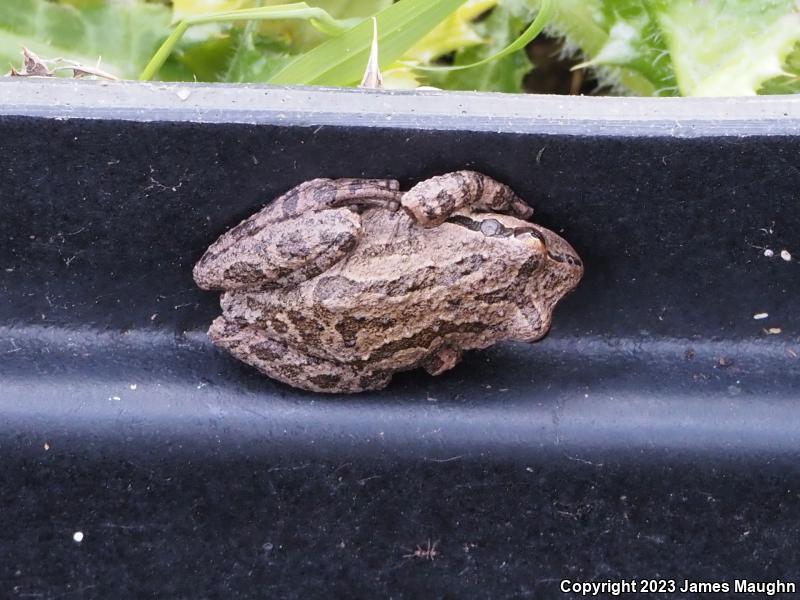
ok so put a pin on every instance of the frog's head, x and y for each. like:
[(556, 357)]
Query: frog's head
[(548, 267)]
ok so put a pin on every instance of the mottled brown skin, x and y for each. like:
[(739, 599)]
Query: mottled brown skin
[(331, 288)]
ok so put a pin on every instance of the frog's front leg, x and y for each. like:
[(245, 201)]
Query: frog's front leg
[(432, 201), (296, 237), (319, 194)]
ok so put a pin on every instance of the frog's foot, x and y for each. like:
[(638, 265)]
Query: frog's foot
[(319, 194), (290, 364), (432, 201), (443, 359)]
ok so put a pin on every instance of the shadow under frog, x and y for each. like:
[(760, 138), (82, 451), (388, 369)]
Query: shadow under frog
[(339, 284)]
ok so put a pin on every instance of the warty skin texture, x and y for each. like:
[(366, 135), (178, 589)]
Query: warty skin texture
[(360, 292)]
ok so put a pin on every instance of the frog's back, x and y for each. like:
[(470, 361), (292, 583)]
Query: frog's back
[(404, 292)]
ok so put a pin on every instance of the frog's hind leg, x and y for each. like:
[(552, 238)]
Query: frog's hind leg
[(296, 237), (291, 365), (432, 201), (282, 255)]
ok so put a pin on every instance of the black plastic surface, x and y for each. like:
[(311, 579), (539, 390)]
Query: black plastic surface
[(654, 434)]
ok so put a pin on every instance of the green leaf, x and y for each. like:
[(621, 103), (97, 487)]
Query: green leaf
[(297, 10), (688, 47), (620, 40), (255, 57), (455, 33), (299, 36), (342, 59), (503, 25), (124, 35), (788, 83), (202, 59), (517, 45), (731, 47), (228, 45)]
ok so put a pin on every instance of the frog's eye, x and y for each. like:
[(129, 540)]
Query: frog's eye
[(488, 227), (491, 227)]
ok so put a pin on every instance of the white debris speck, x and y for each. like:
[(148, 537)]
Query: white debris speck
[(768, 253), (115, 398), (133, 386), (46, 446), (759, 316), (183, 93), (785, 255), (78, 536)]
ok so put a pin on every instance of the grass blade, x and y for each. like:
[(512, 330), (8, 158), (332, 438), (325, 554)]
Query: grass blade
[(534, 29), (341, 60)]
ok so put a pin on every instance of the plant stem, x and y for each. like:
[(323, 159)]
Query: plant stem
[(318, 17)]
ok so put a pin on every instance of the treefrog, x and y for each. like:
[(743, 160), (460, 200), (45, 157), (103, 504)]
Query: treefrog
[(340, 283)]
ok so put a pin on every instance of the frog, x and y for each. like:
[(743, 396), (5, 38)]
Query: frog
[(338, 284)]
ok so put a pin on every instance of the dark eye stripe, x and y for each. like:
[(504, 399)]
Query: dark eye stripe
[(503, 231), (488, 227), (465, 222), (531, 231)]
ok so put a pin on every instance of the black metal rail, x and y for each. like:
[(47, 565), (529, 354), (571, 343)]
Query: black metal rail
[(654, 434)]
